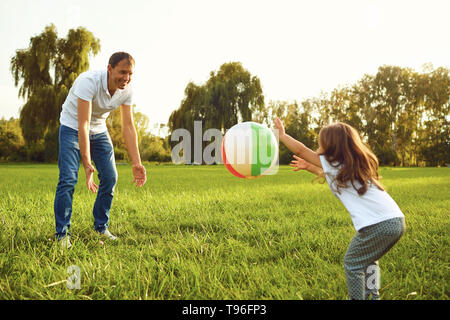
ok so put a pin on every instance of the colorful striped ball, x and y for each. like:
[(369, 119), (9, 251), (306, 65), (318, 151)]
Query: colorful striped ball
[(250, 150)]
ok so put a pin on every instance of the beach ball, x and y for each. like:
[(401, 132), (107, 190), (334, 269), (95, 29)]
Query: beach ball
[(250, 150)]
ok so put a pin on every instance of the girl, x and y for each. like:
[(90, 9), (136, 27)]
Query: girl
[(351, 171)]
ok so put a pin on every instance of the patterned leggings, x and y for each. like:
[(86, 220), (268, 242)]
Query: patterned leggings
[(361, 259)]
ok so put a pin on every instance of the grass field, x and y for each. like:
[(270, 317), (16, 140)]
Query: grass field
[(200, 233)]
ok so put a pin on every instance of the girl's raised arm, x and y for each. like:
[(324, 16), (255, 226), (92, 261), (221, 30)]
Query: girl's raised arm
[(295, 146)]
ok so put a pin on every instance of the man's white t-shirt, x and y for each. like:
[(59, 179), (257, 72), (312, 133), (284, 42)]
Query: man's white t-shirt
[(372, 207), (92, 86)]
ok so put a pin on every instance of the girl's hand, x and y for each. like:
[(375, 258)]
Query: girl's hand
[(279, 126), (299, 164)]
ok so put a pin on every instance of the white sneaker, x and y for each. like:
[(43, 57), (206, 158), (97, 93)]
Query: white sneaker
[(109, 235), (65, 243)]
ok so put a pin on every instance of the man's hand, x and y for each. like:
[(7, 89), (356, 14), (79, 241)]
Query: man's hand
[(89, 169), (140, 176)]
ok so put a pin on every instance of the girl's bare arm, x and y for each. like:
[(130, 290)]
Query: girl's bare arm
[(297, 147)]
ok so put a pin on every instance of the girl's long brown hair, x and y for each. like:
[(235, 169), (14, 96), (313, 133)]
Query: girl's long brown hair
[(342, 144)]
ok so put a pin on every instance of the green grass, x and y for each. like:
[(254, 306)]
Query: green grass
[(200, 233)]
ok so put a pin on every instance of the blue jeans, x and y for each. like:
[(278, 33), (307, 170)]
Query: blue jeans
[(102, 153)]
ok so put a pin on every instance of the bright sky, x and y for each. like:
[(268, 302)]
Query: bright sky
[(297, 48)]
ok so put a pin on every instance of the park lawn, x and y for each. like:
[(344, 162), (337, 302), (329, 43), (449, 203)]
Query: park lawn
[(197, 232)]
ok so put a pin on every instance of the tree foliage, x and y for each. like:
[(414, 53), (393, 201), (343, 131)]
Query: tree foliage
[(230, 95), (401, 114), (45, 71), (151, 147), (11, 140)]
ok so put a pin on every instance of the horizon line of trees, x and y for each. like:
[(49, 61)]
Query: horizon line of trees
[(403, 115)]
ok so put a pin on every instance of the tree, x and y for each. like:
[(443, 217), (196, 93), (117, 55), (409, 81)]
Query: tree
[(151, 147), (297, 120), (32, 68), (11, 140), (234, 95), (230, 95), (435, 147)]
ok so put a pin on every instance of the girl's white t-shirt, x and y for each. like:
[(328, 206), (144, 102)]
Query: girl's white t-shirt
[(92, 86), (372, 207)]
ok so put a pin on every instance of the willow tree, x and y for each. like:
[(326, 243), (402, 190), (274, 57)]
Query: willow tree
[(45, 71), (234, 95)]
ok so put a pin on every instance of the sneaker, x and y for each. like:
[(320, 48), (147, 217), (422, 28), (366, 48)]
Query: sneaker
[(65, 242), (109, 235)]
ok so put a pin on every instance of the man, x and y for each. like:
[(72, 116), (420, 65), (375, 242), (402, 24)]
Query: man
[(83, 135)]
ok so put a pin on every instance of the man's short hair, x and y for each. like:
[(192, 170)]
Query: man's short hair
[(119, 56)]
